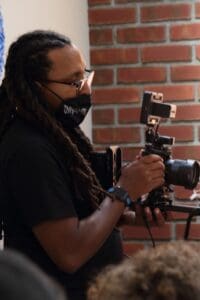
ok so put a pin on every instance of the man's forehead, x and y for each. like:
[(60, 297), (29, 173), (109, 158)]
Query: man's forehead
[(67, 59)]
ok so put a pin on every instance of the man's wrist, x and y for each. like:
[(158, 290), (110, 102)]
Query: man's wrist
[(121, 195)]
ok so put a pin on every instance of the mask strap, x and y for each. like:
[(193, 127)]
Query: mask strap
[(54, 93)]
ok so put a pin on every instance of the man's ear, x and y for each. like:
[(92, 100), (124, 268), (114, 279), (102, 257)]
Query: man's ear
[(41, 87), (38, 84), (50, 97)]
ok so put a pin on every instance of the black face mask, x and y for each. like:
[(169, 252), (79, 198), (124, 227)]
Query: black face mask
[(73, 111)]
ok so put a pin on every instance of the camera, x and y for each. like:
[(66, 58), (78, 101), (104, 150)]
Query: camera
[(177, 172), (107, 164)]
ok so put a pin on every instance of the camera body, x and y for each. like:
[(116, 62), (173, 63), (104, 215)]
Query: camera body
[(177, 172)]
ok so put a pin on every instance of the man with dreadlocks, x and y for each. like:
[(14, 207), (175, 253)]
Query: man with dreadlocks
[(54, 209)]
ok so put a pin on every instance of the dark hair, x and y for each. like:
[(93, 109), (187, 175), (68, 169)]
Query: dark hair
[(27, 62)]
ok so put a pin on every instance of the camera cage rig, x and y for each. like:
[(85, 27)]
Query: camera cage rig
[(107, 164), (152, 111)]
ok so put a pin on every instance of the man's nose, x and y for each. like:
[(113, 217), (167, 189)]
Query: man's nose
[(87, 84), (86, 88)]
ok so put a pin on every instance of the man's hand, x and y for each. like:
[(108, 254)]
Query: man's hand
[(142, 175), (136, 218)]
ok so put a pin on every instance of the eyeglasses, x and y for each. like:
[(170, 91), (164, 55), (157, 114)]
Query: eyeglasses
[(78, 84)]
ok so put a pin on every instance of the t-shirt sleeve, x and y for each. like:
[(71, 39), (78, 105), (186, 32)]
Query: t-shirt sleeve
[(38, 186)]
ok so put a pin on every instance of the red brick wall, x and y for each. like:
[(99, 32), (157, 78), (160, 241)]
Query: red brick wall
[(146, 45)]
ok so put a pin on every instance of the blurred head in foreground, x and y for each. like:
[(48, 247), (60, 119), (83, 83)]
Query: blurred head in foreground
[(169, 271), (20, 279)]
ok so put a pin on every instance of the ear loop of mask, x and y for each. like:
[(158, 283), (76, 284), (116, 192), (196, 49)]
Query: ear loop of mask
[(54, 93)]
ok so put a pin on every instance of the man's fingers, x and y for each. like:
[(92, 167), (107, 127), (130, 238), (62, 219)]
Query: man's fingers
[(148, 159), (160, 220), (154, 217)]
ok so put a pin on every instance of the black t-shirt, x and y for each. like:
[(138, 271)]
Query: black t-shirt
[(35, 186)]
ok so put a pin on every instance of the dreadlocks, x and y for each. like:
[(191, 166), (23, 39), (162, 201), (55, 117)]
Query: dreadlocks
[(27, 62)]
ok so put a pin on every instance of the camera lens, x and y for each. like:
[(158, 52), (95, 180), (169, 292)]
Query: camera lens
[(182, 172)]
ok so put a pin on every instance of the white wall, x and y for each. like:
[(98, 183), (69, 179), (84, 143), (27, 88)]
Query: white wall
[(68, 17)]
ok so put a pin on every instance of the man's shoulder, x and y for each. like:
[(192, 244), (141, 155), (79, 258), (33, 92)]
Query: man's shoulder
[(23, 137)]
